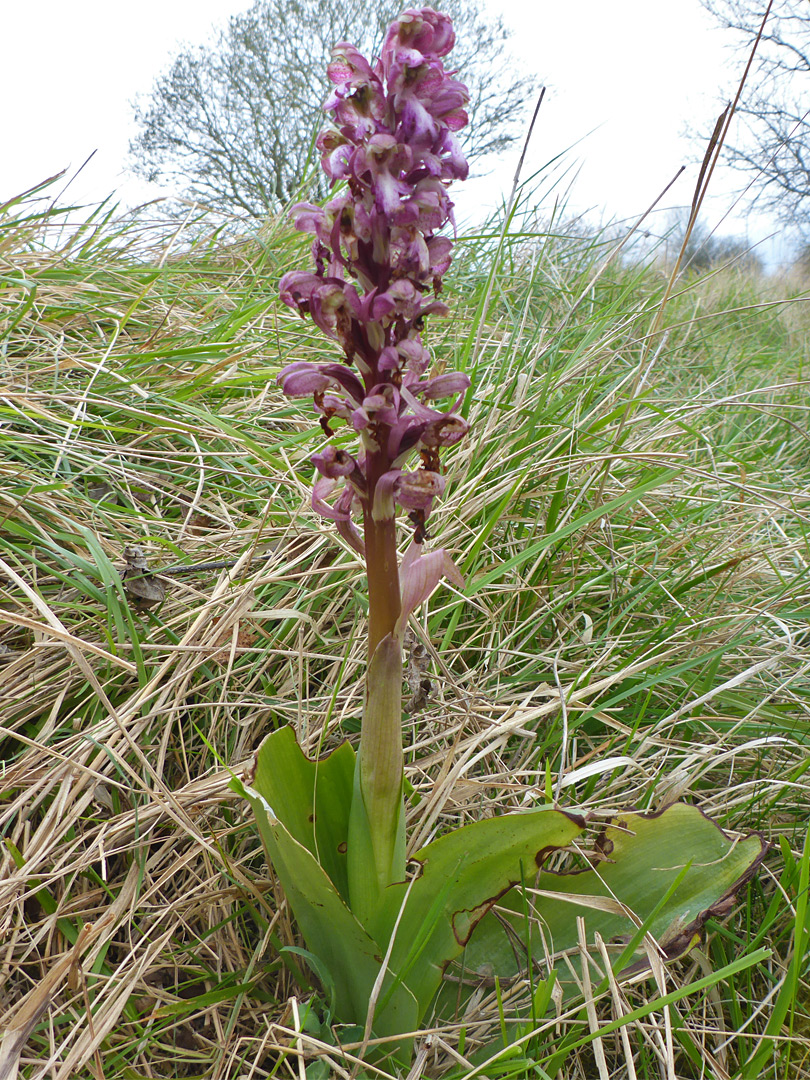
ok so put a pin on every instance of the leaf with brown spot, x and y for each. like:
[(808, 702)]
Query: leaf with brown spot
[(667, 871)]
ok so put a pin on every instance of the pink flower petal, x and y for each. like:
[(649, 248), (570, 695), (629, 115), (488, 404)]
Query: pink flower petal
[(419, 576)]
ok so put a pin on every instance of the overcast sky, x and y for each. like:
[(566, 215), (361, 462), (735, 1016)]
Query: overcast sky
[(624, 79)]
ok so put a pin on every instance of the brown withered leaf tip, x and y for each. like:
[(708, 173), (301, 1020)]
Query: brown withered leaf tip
[(417, 673), (145, 590)]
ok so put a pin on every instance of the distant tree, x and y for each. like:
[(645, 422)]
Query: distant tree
[(801, 261), (774, 143), (704, 250), (233, 124)]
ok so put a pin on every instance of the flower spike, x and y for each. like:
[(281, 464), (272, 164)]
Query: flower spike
[(379, 261)]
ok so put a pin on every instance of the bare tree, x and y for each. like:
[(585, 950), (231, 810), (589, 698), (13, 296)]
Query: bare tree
[(704, 249), (773, 142), (234, 123)]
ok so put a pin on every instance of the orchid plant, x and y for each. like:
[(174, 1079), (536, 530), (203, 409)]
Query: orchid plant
[(379, 938), (378, 259)]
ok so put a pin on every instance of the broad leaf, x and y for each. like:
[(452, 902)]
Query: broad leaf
[(332, 934), (666, 873), (311, 798), (462, 875)]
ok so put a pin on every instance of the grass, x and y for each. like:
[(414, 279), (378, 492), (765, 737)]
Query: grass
[(631, 515)]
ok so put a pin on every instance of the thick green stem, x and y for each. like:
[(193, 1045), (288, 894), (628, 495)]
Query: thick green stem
[(377, 820)]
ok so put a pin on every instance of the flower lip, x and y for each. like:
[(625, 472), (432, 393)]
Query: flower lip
[(333, 463), (447, 430), (321, 489), (301, 379), (451, 382), (417, 490)]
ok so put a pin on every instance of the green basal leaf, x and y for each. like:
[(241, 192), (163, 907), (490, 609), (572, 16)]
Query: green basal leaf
[(462, 875), (312, 798), (332, 934), (665, 873), (660, 875)]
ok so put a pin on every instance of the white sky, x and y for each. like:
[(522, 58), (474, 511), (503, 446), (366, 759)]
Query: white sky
[(624, 79)]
